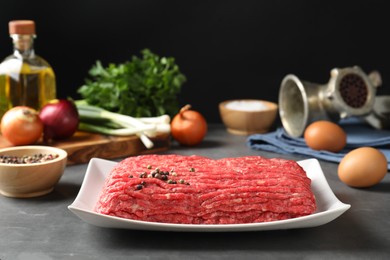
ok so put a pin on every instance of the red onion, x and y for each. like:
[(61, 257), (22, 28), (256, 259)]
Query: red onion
[(60, 119)]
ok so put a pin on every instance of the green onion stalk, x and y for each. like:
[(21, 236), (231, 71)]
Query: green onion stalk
[(99, 120)]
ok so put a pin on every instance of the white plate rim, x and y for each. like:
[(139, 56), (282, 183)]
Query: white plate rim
[(329, 206)]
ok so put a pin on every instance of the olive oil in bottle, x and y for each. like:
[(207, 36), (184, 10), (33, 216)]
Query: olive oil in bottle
[(25, 78)]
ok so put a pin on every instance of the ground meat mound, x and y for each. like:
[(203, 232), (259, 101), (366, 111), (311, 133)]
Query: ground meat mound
[(199, 190)]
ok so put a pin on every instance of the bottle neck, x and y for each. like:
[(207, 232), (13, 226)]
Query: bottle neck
[(23, 45)]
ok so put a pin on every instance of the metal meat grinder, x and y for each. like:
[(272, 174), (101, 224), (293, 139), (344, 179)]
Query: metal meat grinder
[(349, 92)]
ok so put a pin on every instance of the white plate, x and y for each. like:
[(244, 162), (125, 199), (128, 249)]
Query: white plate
[(329, 207)]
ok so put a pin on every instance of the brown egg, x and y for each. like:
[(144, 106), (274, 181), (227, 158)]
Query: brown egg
[(362, 167), (325, 135)]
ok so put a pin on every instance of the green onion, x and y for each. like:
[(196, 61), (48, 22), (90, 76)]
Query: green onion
[(99, 120), (108, 131)]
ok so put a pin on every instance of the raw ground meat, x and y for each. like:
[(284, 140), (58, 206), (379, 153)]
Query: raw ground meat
[(199, 190)]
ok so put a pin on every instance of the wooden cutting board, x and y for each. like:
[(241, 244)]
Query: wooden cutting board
[(83, 146)]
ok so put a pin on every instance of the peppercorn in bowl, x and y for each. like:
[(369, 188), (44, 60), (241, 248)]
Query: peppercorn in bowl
[(30, 171)]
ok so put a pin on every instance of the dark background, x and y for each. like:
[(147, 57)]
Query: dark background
[(227, 49)]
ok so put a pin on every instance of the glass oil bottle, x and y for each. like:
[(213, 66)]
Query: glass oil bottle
[(26, 79)]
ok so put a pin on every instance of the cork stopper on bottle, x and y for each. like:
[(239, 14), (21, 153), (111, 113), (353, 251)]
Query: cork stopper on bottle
[(22, 27)]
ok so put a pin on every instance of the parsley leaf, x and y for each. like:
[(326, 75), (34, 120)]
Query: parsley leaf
[(141, 87)]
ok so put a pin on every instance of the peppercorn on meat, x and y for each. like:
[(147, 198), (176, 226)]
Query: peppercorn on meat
[(199, 190)]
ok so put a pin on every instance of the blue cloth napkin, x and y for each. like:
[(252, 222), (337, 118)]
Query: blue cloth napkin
[(358, 132)]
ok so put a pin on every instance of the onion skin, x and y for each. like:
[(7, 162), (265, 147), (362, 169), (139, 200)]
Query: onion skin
[(21, 125), (188, 127), (60, 119)]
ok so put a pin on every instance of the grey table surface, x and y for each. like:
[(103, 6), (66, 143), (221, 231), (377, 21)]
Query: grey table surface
[(43, 227)]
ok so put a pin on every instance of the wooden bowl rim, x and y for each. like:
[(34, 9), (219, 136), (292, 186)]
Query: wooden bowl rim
[(62, 154), (271, 106)]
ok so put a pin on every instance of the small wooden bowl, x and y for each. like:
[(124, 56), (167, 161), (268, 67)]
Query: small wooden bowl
[(256, 118), (31, 179)]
